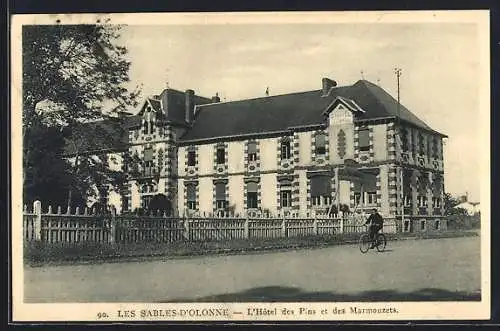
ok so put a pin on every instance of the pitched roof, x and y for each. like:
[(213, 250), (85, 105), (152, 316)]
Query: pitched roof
[(282, 112)]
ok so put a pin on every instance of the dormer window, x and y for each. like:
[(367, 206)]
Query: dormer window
[(191, 158), (320, 142), (221, 155), (364, 139), (252, 151), (285, 149), (421, 144), (404, 140)]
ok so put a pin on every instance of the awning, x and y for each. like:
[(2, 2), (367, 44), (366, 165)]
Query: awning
[(321, 186), (365, 178), (252, 187), (220, 191), (191, 192)]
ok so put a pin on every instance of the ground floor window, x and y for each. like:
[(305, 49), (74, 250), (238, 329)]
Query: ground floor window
[(252, 200), (220, 195), (437, 225), (191, 197), (324, 200), (371, 198), (145, 201), (422, 225), (221, 204), (286, 198)]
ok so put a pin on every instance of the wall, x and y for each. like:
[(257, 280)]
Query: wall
[(268, 194), (236, 189), (268, 149), (380, 142)]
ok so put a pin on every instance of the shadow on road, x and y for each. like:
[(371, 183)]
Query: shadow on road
[(287, 294)]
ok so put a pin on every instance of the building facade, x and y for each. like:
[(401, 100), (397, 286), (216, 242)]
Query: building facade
[(336, 147)]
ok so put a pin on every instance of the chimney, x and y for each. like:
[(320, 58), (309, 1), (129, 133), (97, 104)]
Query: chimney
[(328, 84), (189, 105), (216, 98)]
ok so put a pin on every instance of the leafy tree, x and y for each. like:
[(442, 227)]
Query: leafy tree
[(73, 72), (450, 204)]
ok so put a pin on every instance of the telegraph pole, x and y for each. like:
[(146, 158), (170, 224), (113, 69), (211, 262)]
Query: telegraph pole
[(398, 72)]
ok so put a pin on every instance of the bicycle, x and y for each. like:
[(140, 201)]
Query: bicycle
[(365, 243)]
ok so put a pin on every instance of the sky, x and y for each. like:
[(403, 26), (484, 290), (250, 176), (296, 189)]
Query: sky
[(439, 62)]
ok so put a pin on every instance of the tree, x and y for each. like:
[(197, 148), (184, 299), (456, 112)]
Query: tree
[(74, 72), (450, 204)]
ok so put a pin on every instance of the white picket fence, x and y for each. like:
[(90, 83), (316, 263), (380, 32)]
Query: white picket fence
[(68, 227)]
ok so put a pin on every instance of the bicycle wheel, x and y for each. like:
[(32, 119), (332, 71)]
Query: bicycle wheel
[(364, 243), (381, 242)]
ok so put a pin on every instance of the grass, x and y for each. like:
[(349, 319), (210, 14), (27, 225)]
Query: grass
[(40, 253)]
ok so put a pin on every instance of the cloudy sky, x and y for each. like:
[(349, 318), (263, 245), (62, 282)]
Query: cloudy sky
[(439, 83)]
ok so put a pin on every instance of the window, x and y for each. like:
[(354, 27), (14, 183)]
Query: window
[(364, 139), (435, 148), (422, 201), (407, 200), (421, 144), (252, 151), (371, 198), (191, 197), (221, 155), (404, 140), (146, 200), (422, 225), (286, 198), (285, 150), (436, 202), (148, 161), (357, 198), (320, 142), (252, 196), (191, 158), (437, 225), (148, 168), (220, 195), (406, 226), (321, 190)]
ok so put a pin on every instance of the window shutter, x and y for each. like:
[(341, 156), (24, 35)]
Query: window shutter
[(320, 185), (148, 154), (320, 140), (252, 187), (220, 191), (191, 192), (364, 138), (252, 147)]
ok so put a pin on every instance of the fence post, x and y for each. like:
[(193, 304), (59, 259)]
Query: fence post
[(37, 209), (283, 226), (315, 225), (342, 224), (112, 228), (186, 229), (247, 229)]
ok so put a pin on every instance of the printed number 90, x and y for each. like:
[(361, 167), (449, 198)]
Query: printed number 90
[(102, 315)]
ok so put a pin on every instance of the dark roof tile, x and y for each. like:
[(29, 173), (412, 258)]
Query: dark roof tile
[(282, 112)]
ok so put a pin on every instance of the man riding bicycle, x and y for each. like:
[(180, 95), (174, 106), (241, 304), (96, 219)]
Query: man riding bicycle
[(376, 223)]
